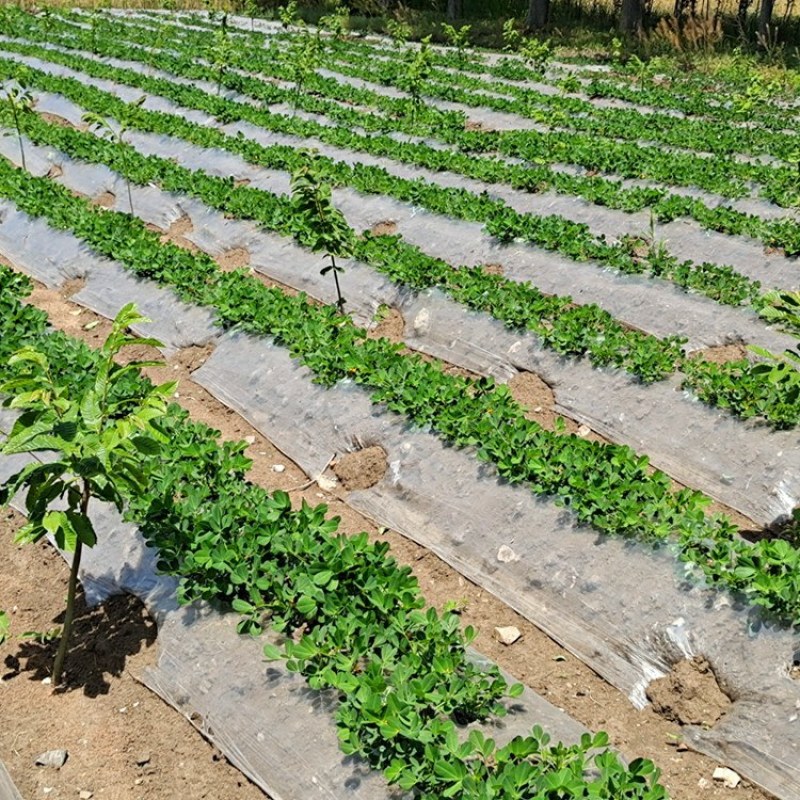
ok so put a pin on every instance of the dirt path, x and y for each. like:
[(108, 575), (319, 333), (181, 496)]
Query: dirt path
[(534, 658)]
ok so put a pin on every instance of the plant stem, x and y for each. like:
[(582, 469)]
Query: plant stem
[(65, 634), (19, 135), (340, 300), (58, 665)]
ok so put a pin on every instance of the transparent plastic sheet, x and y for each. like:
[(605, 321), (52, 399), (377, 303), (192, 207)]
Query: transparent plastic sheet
[(744, 465), (747, 466), (39, 250), (576, 587), (685, 238)]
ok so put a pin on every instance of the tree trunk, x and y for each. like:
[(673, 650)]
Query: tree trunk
[(455, 10), (538, 14), (630, 18), (741, 14), (765, 17)]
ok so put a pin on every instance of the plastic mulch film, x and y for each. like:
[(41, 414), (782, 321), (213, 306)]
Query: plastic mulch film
[(626, 610), (685, 238), (654, 306), (39, 250), (744, 465)]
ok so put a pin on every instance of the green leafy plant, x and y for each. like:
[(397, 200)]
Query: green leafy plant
[(220, 52), (782, 308), (337, 22), (418, 68), (321, 226), (41, 637), (536, 54), (780, 369), (302, 58), (458, 38), (512, 37), (399, 31), (251, 9), (115, 135), (101, 438), (20, 101), (288, 14)]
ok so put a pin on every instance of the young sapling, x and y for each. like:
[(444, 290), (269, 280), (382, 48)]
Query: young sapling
[(100, 440), (319, 224)]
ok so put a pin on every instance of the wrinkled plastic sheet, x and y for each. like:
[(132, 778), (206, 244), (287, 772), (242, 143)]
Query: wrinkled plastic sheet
[(744, 465), (624, 609), (38, 250), (685, 238)]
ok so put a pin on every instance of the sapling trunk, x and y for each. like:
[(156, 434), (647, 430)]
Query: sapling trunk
[(19, 136), (58, 664), (340, 299)]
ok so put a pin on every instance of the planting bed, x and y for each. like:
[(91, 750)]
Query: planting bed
[(518, 253)]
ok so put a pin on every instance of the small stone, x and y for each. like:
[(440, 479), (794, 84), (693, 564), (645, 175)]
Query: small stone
[(704, 783), (85, 794), (142, 759), (728, 777), (506, 555), (327, 484), (584, 431), (278, 468), (507, 635), (52, 758), (46, 681), (138, 782), (250, 439)]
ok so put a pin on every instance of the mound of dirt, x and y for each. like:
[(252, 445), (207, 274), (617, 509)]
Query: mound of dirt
[(689, 695), (361, 469)]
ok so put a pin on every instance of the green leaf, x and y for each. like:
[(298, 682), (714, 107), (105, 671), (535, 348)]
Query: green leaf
[(90, 410), (273, 652)]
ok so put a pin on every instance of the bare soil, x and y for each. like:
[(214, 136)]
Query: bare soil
[(534, 659), (386, 227), (689, 695), (723, 354), (122, 741), (361, 469), (390, 325)]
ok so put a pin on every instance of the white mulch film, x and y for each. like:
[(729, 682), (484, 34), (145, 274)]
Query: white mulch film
[(574, 585)]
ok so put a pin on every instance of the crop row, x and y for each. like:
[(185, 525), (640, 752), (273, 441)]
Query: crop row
[(574, 240), (553, 110), (401, 672), (725, 176), (607, 486), (665, 206), (569, 330)]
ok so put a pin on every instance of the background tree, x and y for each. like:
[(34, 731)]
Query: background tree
[(538, 14), (631, 17), (455, 9)]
